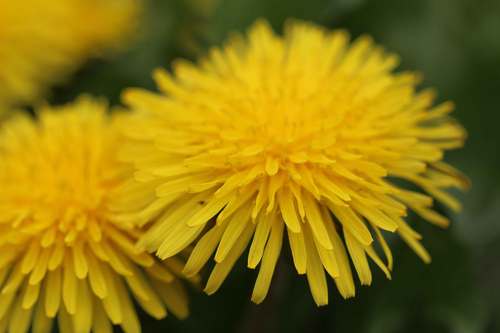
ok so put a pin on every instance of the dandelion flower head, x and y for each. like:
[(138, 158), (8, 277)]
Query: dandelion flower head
[(41, 42), (64, 256), (300, 139)]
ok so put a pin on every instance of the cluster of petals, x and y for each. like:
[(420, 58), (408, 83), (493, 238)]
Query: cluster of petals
[(64, 254), (306, 136)]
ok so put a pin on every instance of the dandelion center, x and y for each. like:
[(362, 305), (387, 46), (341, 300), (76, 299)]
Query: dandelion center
[(61, 180)]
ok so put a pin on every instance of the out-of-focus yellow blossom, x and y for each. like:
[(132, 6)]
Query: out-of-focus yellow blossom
[(42, 41), (64, 254)]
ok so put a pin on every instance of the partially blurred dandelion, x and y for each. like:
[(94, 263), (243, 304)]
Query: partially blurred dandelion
[(63, 252), (300, 136), (42, 41)]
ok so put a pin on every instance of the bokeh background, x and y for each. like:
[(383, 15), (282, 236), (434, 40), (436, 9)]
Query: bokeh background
[(456, 45)]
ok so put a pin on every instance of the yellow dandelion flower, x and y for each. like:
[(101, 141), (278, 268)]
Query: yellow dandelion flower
[(301, 137), (63, 251), (42, 41)]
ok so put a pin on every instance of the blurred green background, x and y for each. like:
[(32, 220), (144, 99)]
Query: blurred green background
[(456, 44)]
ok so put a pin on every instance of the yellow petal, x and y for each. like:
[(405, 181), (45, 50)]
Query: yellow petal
[(70, 286), (358, 257), (41, 323), (234, 229), (315, 273), (222, 269), (299, 251), (53, 298), (350, 220), (174, 297), (288, 212), (96, 277), (316, 222), (203, 249), (82, 319), (263, 227), (269, 259)]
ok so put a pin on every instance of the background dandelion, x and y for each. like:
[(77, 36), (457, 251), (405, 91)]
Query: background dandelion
[(64, 255), (42, 42)]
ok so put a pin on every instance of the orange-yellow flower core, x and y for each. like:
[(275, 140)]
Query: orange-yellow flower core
[(301, 135), (63, 251)]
